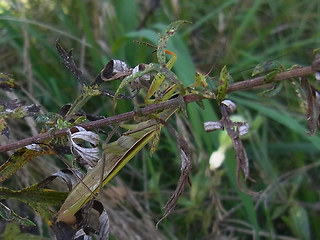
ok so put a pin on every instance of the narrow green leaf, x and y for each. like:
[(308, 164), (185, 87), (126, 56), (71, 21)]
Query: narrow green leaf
[(41, 200), (20, 158), (164, 38)]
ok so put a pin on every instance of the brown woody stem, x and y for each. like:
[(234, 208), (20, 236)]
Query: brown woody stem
[(238, 86), (259, 81)]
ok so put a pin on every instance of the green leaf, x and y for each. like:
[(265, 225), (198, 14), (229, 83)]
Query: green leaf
[(223, 84), (20, 158), (10, 216), (13, 232), (271, 75), (266, 67), (276, 88), (41, 200), (299, 222)]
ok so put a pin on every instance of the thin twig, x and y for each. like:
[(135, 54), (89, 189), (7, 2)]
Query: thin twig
[(259, 81)]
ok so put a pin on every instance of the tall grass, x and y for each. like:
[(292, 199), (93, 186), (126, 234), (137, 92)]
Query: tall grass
[(239, 34)]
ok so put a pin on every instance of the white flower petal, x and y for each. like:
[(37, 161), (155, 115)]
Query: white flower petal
[(216, 159)]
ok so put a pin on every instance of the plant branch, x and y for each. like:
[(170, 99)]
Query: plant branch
[(259, 81), (238, 86), (99, 123)]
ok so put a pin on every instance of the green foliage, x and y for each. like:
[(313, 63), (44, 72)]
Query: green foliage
[(41, 200), (13, 232), (239, 34), (10, 216)]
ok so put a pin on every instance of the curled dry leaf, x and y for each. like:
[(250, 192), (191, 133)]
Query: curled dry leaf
[(63, 231), (143, 81), (235, 130), (114, 69), (243, 128), (212, 126), (70, 176), (231, 106), (103, 228), (89, 155), (83, 231)]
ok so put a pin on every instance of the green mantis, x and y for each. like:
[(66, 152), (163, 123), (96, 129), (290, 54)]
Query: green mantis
[(116, 155)]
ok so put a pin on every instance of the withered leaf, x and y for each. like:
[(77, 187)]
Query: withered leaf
[(313, 105), (7, 82), (114, 69), (70, 176), (14, 109), (11, 104), (235, 130), (89, 155), (185, 156), (17, 109), (69, 63), (103, 229), (83, 229)]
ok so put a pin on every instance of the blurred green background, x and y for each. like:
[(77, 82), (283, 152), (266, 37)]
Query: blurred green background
[(240, 34)]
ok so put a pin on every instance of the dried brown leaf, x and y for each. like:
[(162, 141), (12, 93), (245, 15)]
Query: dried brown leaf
[(83, 229), (185, 156), (69, 63), (313, 105), (235, 130)]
